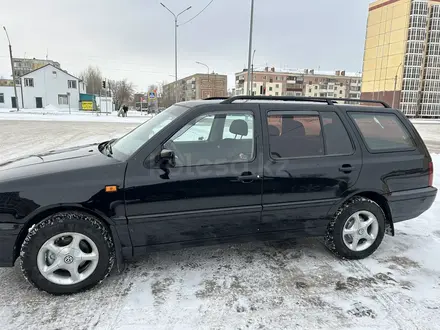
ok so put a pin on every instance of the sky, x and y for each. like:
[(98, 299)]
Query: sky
[(134, 39)]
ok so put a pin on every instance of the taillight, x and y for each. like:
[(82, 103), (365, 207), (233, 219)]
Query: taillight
[(431, 174)]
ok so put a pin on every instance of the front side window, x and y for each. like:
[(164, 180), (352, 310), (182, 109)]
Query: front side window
[(2, 98), (292, 136), (382, 131), (198, 131), (214, 139)]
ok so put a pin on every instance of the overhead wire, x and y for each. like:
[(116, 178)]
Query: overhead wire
[(198, 13)]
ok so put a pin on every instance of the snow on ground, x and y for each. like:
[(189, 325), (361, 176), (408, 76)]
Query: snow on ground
[(53, 114), (272, 285)]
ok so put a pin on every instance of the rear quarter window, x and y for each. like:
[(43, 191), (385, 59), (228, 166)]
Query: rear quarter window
[(382, 132)]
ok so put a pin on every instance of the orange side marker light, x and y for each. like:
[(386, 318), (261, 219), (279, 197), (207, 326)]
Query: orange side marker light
[(110, 189)]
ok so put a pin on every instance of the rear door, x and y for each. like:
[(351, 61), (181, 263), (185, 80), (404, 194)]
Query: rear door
[(311, 161)]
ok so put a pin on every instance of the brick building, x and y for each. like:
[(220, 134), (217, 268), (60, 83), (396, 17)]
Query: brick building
[(197, 86)]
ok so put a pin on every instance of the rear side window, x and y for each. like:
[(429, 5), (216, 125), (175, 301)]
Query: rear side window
[(383, 132), (293, 136), (337, 141)]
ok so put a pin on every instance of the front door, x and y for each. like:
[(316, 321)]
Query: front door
[(311, 162), (214, 189), (39, 102), (14, 101)]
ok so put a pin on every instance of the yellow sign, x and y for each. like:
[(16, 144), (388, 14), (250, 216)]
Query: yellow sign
[(87, 105)]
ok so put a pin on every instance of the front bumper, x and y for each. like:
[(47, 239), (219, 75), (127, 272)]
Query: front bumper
[(409, 204), (9, 233)]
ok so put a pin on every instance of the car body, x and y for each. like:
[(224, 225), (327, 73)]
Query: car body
[(216, 171)]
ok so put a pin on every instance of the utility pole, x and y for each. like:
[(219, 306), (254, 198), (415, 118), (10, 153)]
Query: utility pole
[(12, 68), (175, 43), (250, 45)]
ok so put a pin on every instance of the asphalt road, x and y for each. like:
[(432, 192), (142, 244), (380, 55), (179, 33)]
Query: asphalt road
[(271, 285)]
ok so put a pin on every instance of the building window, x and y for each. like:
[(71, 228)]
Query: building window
[(276, 93), (277, 86), (316, 94), (2, 98), (340, 92), (271, 80), (71, 84), (316, 87), (29, 82), (270, 89), (62, 99), (264, 77), (310, 90)]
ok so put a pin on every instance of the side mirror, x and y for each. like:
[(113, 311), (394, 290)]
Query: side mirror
[(167, 157)]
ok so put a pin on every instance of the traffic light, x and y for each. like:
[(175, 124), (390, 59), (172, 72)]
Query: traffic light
[(103, 84)]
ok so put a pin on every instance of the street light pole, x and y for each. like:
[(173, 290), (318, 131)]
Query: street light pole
[(252, 73), (209, 83), (175, 43), (250, 45), (12, 68), (395, 84)]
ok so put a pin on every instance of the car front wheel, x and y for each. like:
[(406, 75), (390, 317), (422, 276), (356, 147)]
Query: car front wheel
[(357, 229), (67, 252)]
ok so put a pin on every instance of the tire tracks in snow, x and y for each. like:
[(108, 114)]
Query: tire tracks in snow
[(387, 301)]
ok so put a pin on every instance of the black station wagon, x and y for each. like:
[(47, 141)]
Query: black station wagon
[(213, 171)]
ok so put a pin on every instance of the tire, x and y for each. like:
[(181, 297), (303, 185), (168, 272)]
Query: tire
[(358, 210), (90, 251)]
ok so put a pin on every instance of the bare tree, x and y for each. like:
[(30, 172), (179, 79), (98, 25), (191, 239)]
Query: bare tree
[(92, 76), (122, 91)]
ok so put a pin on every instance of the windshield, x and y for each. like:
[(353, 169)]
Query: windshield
[(131, 142)]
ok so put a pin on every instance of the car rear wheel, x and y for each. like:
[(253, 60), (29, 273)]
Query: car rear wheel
[(357, 229), (67, 252)]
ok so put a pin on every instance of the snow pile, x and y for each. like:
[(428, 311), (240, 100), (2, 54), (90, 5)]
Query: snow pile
[(51, 108)]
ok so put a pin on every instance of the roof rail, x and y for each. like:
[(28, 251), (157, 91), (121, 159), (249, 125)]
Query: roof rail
[(329, 101), (216, 98), (277, 98), (385, 105)]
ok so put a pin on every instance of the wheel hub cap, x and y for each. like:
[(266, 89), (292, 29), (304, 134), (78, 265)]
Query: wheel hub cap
[(360, 231), (67, 258)]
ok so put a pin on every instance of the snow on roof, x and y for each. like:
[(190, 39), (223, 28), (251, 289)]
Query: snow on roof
[(310, 72)]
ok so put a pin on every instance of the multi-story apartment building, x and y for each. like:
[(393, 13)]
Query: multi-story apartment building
[(23, 66), (197, 86), (300, 83), (402, 55), (6, 82)]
